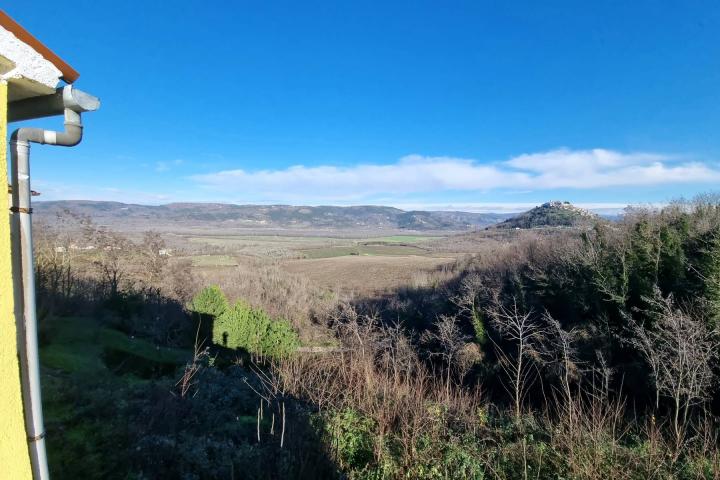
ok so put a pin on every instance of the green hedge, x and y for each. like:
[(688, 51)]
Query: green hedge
[(243, 326)]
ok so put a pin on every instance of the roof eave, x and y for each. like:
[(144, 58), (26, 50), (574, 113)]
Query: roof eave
[(69, 74)]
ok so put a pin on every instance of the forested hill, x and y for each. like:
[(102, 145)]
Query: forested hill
[(265, 216), (550, 214)]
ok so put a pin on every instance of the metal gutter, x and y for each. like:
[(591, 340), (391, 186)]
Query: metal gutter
[(51, 105)]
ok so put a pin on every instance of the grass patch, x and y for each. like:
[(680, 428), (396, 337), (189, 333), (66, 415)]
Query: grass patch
[(362, 249), (252, 240), (77, 345), (390, 250), (213, 261), (88, 372), (330, 252), (405, 238), (115, 340), (72, 358)]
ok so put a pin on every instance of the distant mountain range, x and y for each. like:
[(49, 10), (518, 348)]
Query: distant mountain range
[(550, 214), (266, 216)]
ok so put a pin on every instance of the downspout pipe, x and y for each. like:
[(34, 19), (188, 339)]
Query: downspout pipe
[(23, 243)]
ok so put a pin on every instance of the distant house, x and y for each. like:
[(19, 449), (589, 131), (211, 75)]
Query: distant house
[(75, 246), (165, 252)]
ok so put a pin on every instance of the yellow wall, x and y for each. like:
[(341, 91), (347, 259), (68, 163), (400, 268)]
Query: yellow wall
[(14, 456)]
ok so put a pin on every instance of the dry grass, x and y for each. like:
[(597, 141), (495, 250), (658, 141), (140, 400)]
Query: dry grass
[(267, 285), (380, 375), (365, 274)]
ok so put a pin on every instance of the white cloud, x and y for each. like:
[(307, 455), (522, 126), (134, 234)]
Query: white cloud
[(416, 174), (580, 161)]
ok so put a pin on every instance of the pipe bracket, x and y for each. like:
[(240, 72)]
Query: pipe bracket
[(36, 438), (21, 210)]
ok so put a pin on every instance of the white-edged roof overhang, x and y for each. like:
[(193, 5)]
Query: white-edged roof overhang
[(29, 68)]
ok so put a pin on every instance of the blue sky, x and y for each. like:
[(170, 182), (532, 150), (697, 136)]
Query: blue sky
[(473, 105)]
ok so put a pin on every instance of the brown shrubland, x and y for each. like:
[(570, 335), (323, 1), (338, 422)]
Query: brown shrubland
[(601, 357)]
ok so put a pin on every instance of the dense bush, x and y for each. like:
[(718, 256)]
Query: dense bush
[(210, 302), (242, 326)]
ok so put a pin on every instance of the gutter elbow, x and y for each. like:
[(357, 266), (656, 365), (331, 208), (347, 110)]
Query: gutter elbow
[(73, 130), (70, 137), (27, 135)]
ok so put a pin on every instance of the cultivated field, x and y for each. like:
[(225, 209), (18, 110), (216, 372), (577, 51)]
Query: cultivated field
[(359, 264), (367, 274)]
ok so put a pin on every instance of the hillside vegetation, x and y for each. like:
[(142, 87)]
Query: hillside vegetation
[(577, 353), (551, 214), (265, 216)]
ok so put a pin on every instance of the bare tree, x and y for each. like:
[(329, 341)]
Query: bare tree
[(563, 359), (53, 262), (527, 334), (680, 350), (450, 339), (179, 281), (466, 300), (111, 259), (153, 262), (57, 245), (200, 355)]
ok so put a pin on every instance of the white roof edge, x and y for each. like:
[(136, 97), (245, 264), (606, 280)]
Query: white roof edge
[(28, 63)]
